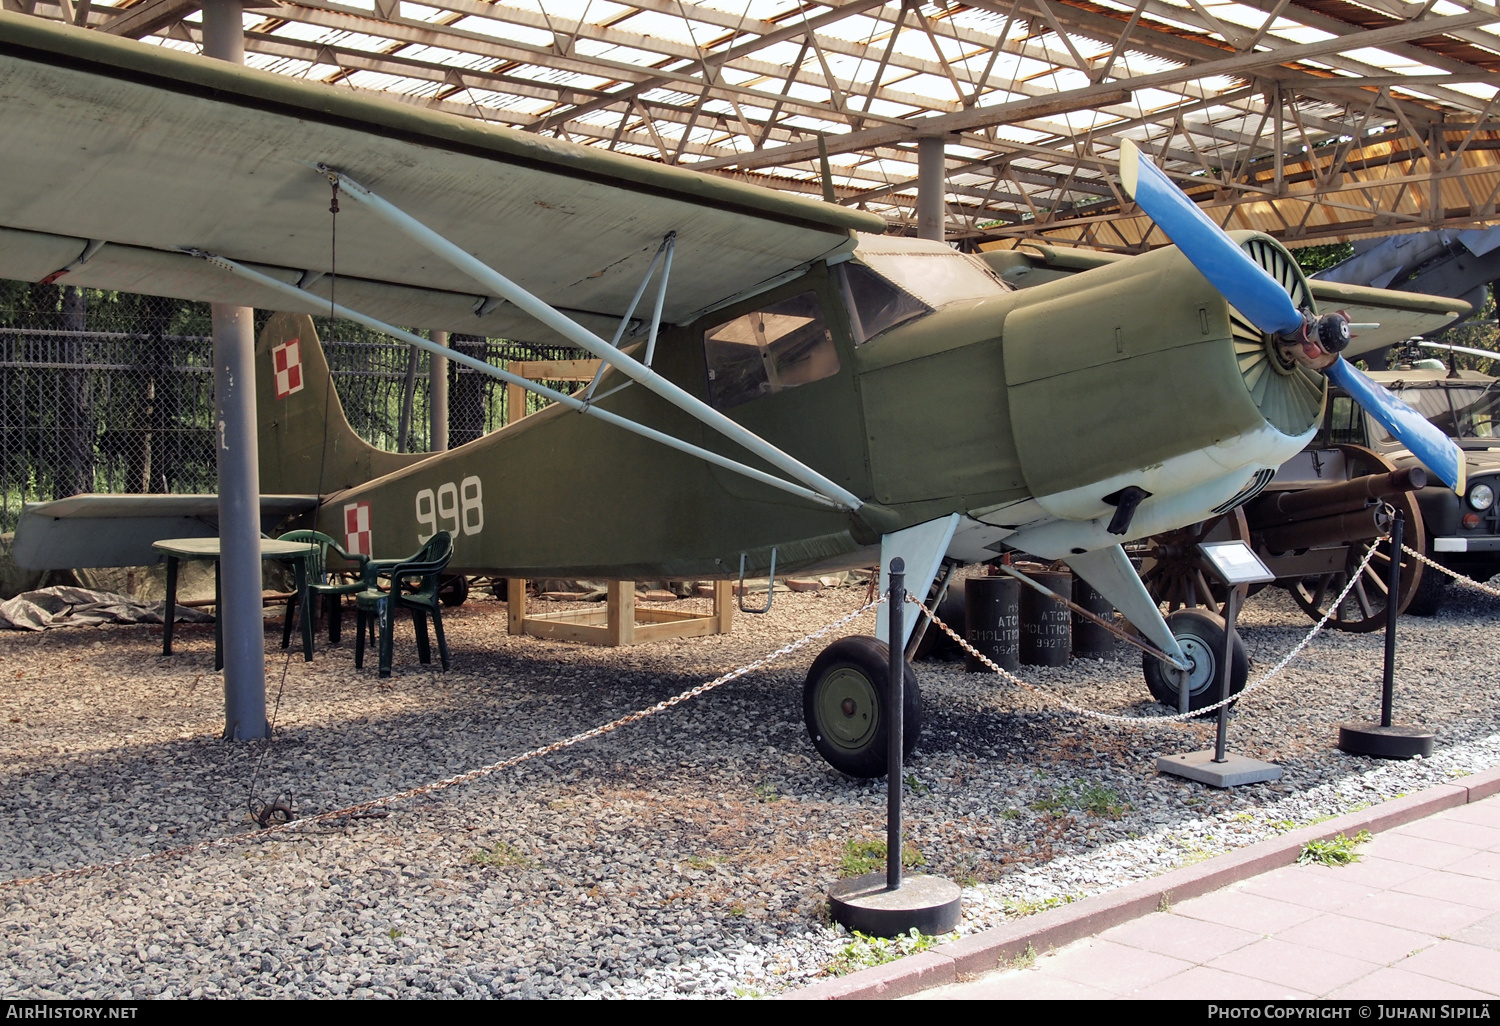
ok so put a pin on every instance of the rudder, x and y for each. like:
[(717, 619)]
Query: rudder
[(306, 443)]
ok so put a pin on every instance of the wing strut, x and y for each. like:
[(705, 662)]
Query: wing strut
[(585, 339), (668, 244), (339, 310)]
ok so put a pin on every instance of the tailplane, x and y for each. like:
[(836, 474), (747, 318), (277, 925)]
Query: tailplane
[(306, 443)]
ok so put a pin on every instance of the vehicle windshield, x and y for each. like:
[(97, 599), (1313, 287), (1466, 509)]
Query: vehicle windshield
[(1467, 410)]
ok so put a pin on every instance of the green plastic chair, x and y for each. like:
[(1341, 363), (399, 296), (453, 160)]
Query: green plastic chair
[(319, 585), (421, 570)]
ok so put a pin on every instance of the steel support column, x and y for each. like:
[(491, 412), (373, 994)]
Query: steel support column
[(240, 614), (931, 182), (437, 395)]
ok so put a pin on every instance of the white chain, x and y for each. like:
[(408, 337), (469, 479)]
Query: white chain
[(1460, 578), (462, 778), (1153, 721)]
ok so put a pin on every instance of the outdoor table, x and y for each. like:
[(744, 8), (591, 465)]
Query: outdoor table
[(178, 549)]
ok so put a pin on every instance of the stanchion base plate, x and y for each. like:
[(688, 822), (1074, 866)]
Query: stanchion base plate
[(929, 903), (1234, 771), (1391, 742)]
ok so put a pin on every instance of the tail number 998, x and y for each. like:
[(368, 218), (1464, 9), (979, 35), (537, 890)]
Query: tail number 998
[(452, 508)]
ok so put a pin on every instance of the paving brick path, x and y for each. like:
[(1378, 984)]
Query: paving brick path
[(1417, 917)]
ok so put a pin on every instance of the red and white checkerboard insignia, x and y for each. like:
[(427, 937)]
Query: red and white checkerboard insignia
[(357, 529), (286, 360)]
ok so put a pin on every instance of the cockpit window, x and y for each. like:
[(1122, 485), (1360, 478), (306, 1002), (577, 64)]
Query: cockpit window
[(931, 271), (874, 304), (1461, 411), (770, 350)]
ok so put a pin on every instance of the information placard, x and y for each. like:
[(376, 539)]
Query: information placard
[(1235, 562)]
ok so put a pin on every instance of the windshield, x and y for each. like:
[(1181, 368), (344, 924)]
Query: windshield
[(1469, 410)]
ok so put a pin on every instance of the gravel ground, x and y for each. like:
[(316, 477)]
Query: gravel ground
[(687, 854)]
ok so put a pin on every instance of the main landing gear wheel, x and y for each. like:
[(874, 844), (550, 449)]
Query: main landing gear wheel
[(1364, 609), (1201, 635), (453, 591), (844, 703)]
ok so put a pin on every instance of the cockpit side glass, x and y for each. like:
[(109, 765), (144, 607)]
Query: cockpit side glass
[(1476, 411), (875, 305), (1431, 401), (1345, 424), (769, 350)]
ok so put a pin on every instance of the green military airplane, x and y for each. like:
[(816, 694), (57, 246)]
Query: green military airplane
[(805, 393)]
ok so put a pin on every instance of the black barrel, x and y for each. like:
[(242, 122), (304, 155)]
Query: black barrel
[(992, 621), (1090, 641), (1046, 624)]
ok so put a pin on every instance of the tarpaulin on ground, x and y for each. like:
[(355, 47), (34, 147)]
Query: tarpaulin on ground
[(80, 607)]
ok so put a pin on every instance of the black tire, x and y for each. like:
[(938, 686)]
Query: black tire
[(1431, 590), (453, 591), (1201, 634), (843, 705)]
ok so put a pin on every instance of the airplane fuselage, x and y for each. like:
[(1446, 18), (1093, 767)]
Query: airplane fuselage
[(1024, 411)]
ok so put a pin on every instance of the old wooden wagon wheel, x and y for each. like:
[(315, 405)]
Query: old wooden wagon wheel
[(1364, 608), (1175, 572)]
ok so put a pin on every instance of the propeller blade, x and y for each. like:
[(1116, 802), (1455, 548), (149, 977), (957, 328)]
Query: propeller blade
[(1427, 443), (1486, 353), (1240, 280)]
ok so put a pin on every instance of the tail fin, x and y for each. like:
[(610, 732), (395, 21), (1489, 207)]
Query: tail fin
[(306, 443)]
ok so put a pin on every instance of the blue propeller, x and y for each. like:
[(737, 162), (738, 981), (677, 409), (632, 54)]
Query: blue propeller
[(1263, 301), (1435, 449)]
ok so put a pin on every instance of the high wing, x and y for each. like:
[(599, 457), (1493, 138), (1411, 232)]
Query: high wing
[(122, 155), (1385, 317)]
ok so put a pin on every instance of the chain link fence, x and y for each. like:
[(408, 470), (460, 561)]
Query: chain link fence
[(113, 392)]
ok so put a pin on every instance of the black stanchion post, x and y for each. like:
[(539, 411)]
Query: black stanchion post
[(885, 904), (1392, 610), (894, 739), (1221, 740), (1385, 739)]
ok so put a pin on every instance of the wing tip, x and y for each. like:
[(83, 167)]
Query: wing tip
[(1130, 158)]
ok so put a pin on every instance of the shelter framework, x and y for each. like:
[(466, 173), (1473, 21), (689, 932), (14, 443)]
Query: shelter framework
[(1312, 120)]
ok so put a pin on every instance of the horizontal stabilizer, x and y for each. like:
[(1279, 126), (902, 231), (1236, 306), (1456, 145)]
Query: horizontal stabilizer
[(117, 530)]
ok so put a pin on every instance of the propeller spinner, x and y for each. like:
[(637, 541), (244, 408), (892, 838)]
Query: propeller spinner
[(1315, 341)]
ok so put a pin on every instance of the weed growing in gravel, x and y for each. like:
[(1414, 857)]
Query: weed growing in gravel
[(1102, 801), (915, 785), (503, 855), (394, 934), (861, 857), (750, 993), (865, 951), (700, 862), (1095, 799), (966, 871), (1283, 825), (1056, 803), (766, 793), (1019, 907), (1192, 853), (737, 910), (1011, 814), (1336, 851)]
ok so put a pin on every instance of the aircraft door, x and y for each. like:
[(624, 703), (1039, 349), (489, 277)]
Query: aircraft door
[(781, 364)]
